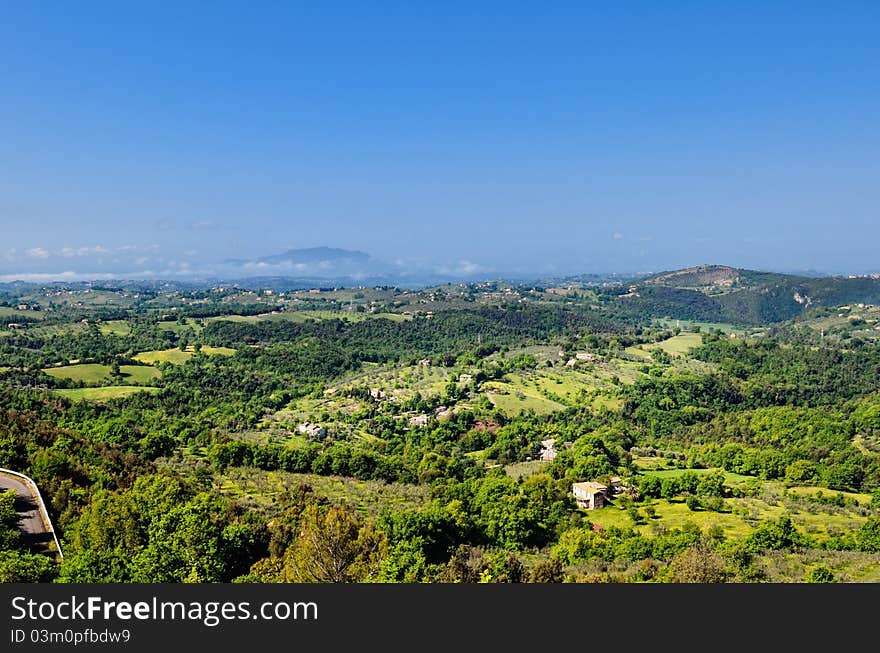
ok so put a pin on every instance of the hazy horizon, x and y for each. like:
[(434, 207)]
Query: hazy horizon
[(487, 141)]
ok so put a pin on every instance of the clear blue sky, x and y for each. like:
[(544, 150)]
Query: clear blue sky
[(569, 137)]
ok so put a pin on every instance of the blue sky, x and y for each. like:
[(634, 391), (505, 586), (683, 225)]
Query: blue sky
[(489, 137)]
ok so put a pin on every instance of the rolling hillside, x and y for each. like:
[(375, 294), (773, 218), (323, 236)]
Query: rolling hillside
[(717, 293)]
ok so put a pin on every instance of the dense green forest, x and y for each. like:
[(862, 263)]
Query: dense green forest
[(259, 435)]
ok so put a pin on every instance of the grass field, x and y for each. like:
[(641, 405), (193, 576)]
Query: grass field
[(115, 328), (687, 325), (191, 326), (740, 518), (97, 373), (678, 345), (863, 499), (402, 382), (762, 500), (103, 394), (847, 566), (6, 312), (178, 357), (638, 351), (264, 489), (515, 397), (175, 356), (526, 469), (49, 330), (729, 477)]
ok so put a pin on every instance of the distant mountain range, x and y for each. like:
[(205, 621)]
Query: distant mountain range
[(311, 256), (717, 293), (335, 266), (705, 293)]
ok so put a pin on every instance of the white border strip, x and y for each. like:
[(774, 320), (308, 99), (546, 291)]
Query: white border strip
[(42, 505)]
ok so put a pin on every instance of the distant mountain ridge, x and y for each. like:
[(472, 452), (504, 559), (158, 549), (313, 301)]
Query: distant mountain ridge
[(718, 293), (308, 256)]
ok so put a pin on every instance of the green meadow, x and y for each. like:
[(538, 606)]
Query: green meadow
[(115, 328), (104, 393), (98, 373), (263, 489), (177, 356)]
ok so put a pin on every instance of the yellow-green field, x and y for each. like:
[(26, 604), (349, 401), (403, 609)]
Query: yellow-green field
[(264, 489), (103, 394), (115, 328), (729, 477), (191, 326), (7, 312), (863, 499), (688, 325), (402, 382), (74, 328), (515, 398), (526, 469), (177, 356), (97, 373), (547, 390), (742, 515), (678, 345)]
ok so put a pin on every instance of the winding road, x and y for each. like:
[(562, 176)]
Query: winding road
[(34, 530)]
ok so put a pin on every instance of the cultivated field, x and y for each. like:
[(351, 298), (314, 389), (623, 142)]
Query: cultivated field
[(97, 373), (103, 394), (263, 489), (177, 356), (115, 328)]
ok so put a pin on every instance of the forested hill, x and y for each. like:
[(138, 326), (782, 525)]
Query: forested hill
[(715, 293)]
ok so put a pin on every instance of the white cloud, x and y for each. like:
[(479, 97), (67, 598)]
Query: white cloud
[(136, 248), (37, 252), (70, 275), (83, 251), (10, 254), (469, 267), (617, 235), (461, 267)]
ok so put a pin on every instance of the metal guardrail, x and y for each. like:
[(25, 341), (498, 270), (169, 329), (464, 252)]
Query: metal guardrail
[(41, 504)]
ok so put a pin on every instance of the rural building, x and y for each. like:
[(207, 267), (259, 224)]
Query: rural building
[(548, 450), (584, 356), (312, 430), (425, 361), (589, 495), (419, 420), (378, 394), (465, 378)]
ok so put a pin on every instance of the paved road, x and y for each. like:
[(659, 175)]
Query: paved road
[(33, 530)]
